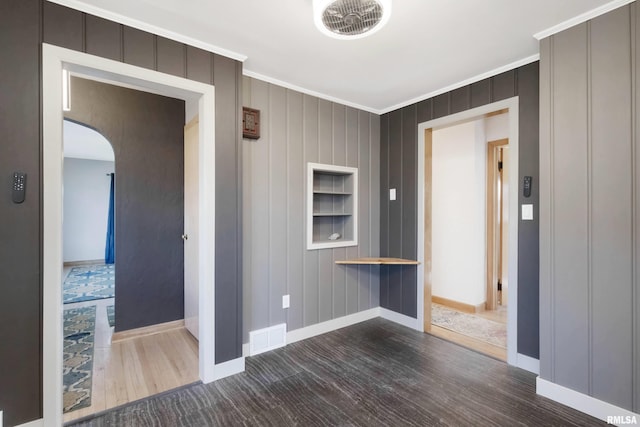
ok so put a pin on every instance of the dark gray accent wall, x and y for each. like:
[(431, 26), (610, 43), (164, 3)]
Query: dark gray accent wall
[(590, 216), (398, 169), (24, 25), (297, 129), (20, 235), (146, 132)]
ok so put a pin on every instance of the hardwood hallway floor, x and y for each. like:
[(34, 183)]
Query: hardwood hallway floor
[(135, 368), (375, 373)]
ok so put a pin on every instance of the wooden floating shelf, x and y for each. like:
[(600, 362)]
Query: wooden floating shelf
[(335, 193), (378, 261), (331, 214)]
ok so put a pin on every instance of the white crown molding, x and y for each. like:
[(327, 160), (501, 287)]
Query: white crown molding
[(581, 18), (121, 19), (491, 73), (286, 85)]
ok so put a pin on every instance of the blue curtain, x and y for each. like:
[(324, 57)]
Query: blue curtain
[(110, 252)]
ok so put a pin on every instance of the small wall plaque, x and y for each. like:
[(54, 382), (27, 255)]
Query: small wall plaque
[(250, 123)]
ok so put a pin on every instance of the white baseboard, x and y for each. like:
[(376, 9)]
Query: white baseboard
[(528, 363), (403, 320), (34, 423), (226, 369), (331, 325), (589, 405)]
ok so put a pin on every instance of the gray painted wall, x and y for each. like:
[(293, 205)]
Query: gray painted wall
[(146, 132), (398, 169), (590, 217), (296, 129), (24, 25)]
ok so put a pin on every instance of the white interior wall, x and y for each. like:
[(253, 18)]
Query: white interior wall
[(458, 213), (497, 127), (86, 204)]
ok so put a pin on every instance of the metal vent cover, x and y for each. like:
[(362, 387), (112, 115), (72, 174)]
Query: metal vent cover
[(352, 17)]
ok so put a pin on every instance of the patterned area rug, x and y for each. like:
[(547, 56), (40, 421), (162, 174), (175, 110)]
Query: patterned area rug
[(111, 315), (89, 282), (472, 326), (77, 371)]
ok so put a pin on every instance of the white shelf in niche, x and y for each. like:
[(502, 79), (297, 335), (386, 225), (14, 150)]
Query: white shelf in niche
[(332, 206)]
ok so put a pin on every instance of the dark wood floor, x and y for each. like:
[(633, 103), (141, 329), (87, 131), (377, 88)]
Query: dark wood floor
[(375, 373)]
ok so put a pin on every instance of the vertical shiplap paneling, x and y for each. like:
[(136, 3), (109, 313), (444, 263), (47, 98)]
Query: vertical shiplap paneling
[(480, 93), (546, 209), (364, 200), (441, 105), (611, 294), (375, 164), (528, 231), (503, 86), (339, 158), (384, 207), (311, 258), (460, 99), (298, 129), (393, 273), (570, 218), (352, 142), (171, 57), (277, 202), (247, 221), (103, 38), (20, 248), (199, 65), (227, 80), (425, 110), (635, 52), (325, 257), (409, 198), (295, 198), (139, 48), (259, 188), (63, 26)]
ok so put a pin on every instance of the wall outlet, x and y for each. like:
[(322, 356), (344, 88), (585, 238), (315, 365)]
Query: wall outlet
[(285, 301)]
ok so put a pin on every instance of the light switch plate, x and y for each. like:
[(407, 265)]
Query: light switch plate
[(527, 212), (285, 301), (392, 194)]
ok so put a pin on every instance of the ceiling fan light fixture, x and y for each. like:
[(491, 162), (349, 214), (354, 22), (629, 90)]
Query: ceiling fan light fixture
[(350, 19)]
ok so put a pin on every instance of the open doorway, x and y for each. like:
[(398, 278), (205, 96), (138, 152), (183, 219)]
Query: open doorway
[(459, 253), (200, 99), (134, 345)]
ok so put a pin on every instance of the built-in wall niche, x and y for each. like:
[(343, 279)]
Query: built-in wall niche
[(332, 206)]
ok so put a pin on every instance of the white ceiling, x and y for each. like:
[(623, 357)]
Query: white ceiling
[(428, 46)]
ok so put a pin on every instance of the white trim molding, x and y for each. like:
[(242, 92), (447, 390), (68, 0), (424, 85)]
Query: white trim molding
[(34, 423), (584, 17), (604, 411), (54, 59), (512, 104), (150, 28), (228, 368), (331, 325), (528, 363), (401, 319)]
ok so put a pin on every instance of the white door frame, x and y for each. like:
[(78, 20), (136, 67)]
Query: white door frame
[(512, 105), (54, 59)]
